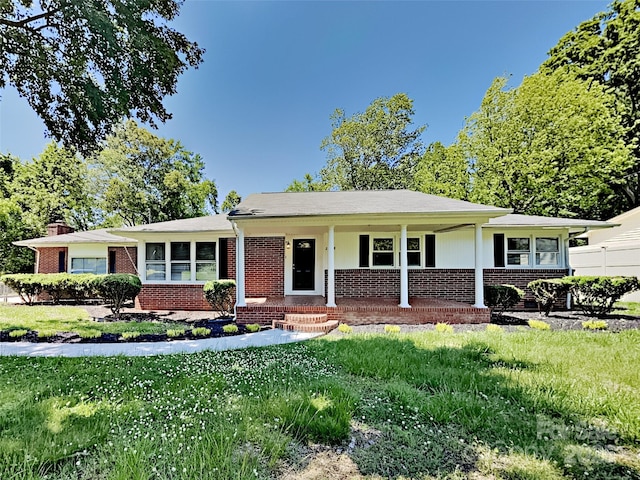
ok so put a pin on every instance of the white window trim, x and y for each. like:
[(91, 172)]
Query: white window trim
[(168, 262), (396, 250), (71, 259), (532, 253)]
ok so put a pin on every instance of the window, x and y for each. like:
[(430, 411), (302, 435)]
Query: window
[(155, 261), (205, 261), (382, 252), (544, 251), (413, 252), (547, 251), (89, 265), (518, 251), (181, 261)]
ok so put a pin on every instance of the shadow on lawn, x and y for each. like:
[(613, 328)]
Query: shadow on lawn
[(447, 410)]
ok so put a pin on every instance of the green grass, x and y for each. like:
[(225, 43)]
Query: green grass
[(71, 319), (628, 308), (528, 404)]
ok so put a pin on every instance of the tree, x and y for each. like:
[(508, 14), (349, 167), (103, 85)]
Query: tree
[(375, 149), (308, 184), (13, 227), (553, 146), (142, 178), (443, 171), (231, 201), (84, 65), (54, 186), (607, 49)]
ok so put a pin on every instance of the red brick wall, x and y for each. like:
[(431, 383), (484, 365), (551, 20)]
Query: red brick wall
[(48, 259), (264, 266), (124, 263), (450, 284), (231, 258), (521, 277), (172, 297)]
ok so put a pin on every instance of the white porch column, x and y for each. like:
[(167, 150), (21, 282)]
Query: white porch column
[(479, 278), (331, 281), (404, 270), (240, 298)]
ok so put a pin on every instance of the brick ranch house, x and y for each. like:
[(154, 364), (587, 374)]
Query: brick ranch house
[(355, 256)]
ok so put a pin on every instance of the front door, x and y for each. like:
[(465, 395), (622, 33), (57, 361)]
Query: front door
[(304, 262)]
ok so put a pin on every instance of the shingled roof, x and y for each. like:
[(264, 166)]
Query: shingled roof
[(397, 202)]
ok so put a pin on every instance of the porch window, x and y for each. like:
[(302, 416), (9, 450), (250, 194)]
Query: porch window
[(382, 252), (89, 265), (547, 251), (155, 268), (413, 252), (518, 251), (181, 261), (205, 261)]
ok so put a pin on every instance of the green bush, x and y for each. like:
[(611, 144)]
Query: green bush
[(548, 292), (501, 297), (90, 333), (58, 285), (252, 327), (596, 296), (539, 325), (595, 325), (118, 288), (392, 328), (220, 295), (444, 328), (344, 328), (177, 332), (231, 328), (18, 333), (201, 332), (492, 327), (130, 335)]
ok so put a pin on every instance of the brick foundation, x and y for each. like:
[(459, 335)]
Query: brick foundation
[(172, 297)]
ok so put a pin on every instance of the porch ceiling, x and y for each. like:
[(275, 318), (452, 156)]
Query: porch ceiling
[(288, 229)]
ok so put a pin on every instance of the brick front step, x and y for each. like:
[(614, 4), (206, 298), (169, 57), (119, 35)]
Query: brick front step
[(305, 317), (324, 327)]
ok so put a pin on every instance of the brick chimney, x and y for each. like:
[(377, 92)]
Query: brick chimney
[(58, 228)]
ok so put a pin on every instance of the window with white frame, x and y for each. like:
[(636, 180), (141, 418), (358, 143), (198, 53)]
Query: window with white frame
[(155, 266), (547, 251), (205, 261), (89, 265), (538, 251), (519, 251), (181, 261), (413, 251), (382, 252)]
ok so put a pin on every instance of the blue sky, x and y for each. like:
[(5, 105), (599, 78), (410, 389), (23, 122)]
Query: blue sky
[(258, 107)]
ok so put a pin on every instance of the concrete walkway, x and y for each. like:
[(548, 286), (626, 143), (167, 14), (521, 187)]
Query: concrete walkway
[(138, 349)]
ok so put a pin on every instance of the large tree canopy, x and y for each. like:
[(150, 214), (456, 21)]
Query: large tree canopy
[(83, 65), (443, 171), (553, 146), (376, 149), (143, 178), (607, 49)]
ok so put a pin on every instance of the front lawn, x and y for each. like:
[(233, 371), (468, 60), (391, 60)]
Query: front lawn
[(628, 308), (42, 318), (529, 404)]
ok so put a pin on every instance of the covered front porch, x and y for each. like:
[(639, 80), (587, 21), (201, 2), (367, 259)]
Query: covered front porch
[(361, 311)]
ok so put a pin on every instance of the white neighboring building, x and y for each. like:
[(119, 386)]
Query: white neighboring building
[(614, 251)]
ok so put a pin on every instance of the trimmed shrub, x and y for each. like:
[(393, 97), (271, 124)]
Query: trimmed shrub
[(548, 292), (344, 328), (58, 285), (219, 294), (539, 325), (492, 327), (595, 325), (392, 328), (18, 333), (596, 296), (444, 328), (89, 333), (252, 327), (230, 328), (130, 335), (116, 289), (175, 332), (27, 285), (201, 332), (501, 297)]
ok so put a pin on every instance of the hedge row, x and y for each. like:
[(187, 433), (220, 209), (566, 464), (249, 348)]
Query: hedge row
[(114, 289), (593, 295)]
